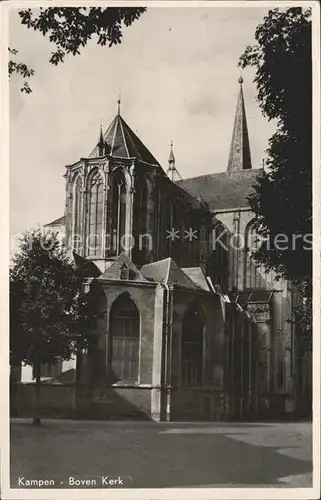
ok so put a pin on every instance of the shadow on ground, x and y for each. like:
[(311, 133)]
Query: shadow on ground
[(153, 459)]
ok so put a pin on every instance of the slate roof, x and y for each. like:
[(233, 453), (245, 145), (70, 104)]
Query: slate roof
[(122, 142), (168, 272), (196, 274), (223, 190), (246, 297), (87, 267), (57, 222)]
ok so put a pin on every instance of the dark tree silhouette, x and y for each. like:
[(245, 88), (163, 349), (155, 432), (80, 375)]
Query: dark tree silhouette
[(71, 28), (48, 309), (282, 199)]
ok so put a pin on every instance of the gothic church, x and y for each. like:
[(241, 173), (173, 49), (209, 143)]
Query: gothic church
[(187, 326)]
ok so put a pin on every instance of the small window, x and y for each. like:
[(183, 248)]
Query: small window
[(124, 272)]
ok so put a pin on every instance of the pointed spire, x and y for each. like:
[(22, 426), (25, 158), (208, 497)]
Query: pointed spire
[(101, 142), (171, 158), (172, 171), (240, 154), (101, 137)]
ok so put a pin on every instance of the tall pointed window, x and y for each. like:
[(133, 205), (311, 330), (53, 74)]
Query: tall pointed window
[(117, 211), (124, 332), (96, 203), (142, 242), (192, 346), (143, 206), (77, 235), (254, 274)]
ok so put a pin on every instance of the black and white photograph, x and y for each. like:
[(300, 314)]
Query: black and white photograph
[(160, 255)]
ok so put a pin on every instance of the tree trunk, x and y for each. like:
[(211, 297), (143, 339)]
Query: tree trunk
[(37, 394)]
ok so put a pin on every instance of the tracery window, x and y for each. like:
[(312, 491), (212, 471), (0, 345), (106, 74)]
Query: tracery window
[(117, 211), (77, 234), (96, 203), (254, 272)]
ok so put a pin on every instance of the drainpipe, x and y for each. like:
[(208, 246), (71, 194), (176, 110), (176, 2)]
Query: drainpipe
[(233, 299), (249, 402), (242, 370), (236, 251), (168, 350)]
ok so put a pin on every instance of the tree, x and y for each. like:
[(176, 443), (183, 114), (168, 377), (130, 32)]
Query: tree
[(70, 28), (20, 69), (48, 309), (282, 198)]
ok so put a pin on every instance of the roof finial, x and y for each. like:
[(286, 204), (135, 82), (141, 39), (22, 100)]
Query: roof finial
[(118, 105), (241, 79)]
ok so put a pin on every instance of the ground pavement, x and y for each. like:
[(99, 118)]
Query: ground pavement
[(163, 455)]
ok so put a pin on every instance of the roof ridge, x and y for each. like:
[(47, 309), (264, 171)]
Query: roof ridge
[(123, 134), (132, 135), (114, 136), (248, 171), (129, 131), (170, 260), (157, 261)]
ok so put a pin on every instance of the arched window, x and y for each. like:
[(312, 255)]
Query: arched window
[(117, 211), (96, 203), (192, 346), (77, 235), (124, 332), (253, 272)]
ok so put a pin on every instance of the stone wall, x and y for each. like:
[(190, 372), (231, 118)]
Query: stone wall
[(197, 405), (71, 401), (113, 403), (55, 400)]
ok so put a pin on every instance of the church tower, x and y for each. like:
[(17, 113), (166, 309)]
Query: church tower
[(240, 154)]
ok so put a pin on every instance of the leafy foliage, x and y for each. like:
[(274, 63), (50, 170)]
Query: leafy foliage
[(20, 69), (282, 200), (70, 28), (302, 308), (48, 310)]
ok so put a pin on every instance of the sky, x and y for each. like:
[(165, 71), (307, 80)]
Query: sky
[(176, 72)]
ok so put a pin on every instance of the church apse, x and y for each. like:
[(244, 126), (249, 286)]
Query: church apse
[(120, 190)]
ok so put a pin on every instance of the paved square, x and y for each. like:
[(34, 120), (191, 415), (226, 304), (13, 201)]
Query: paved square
[(151, 455)]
